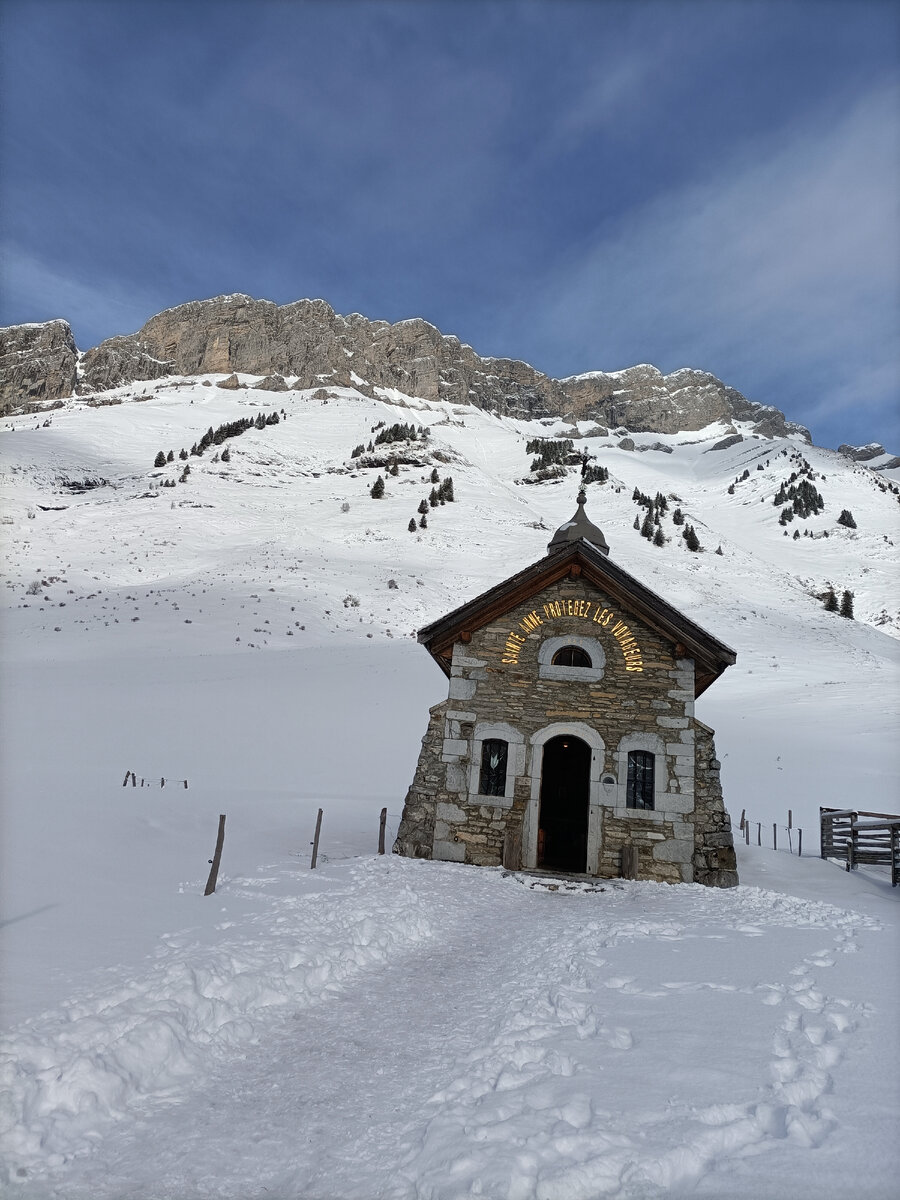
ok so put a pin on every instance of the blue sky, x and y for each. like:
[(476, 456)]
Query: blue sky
[(581, 185)]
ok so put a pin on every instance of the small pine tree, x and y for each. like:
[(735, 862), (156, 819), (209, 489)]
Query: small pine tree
[(170, 457), (659, 538), (796, 534), (160, 460), (647, 527), (847, 605), (447, 485), (394, 468), (637, 522), (731, 489), (433, 498), (846, 519), (377, 489), (831, 601), (423, 507), (412, 525), (357, 450), (423, 522), (435, 477), (226, 455), (182, 454), (719, 551), (691, 540), (677, 517)]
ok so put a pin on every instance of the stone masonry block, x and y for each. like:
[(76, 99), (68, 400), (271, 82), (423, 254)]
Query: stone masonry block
[(673, 850), (449, 812), (449, 851), (462, 689)]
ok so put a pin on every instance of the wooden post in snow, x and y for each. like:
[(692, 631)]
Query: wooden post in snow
[(774, 836), (216, 858), (315, 844), (799, 843), (381, 825), (759, 833), (629, 864), (790, 820)]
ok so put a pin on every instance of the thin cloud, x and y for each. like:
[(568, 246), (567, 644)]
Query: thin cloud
[(786, 258)]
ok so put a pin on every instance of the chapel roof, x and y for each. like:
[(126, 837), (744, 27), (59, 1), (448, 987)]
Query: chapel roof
[(582, 558)]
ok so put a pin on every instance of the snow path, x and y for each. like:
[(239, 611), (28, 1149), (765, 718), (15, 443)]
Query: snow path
[(501, 1039)]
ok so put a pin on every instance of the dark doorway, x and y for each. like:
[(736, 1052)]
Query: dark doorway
[(565, 791)]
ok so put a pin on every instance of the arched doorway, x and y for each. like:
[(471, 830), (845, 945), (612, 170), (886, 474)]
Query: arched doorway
[(565, 794)]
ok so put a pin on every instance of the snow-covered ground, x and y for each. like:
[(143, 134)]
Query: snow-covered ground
[(389, 1028)]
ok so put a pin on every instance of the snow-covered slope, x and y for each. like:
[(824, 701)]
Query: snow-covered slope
[(251, 630)]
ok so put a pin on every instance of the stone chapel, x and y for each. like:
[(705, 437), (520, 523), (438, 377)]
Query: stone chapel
[(568, 742)]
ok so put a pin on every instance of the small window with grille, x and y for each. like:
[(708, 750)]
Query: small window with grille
[(639, 793), (571, 656), (492, 781)]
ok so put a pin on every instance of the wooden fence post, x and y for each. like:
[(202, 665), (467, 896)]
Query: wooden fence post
[(216, 858), (790, 819), (759, 833), (381, 825), (799, 843), (315, 844), (774, 836), (629, 864)]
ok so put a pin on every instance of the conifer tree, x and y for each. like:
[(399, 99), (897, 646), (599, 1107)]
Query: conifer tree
[(690, 537), (719, 551), (182, 454), (412, 525), (659, 538), (731, 489), (647, 527), (847, 605), (831, 601), (435, 477), (423, 522), (433, 498), (423, 507), (170, 456), (377, 489), (677, 517), (160, 460), (637, 522), (846, 519), (394, 468), (226, 455)]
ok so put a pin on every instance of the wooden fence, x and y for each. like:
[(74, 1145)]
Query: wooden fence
[(861, 837)]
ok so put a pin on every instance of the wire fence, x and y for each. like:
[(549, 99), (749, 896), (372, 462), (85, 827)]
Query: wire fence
[(759, 833)]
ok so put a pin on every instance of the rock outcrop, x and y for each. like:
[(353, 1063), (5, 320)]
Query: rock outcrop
[(37, 362), (315, 346)]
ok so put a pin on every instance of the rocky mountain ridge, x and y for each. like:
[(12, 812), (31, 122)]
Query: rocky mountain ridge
[(315, 346)]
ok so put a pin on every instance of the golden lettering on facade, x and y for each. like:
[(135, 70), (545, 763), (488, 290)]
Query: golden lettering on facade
[(598, 614)]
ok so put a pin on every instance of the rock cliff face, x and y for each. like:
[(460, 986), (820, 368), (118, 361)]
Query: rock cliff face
[(310, 342), (37, 362)]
